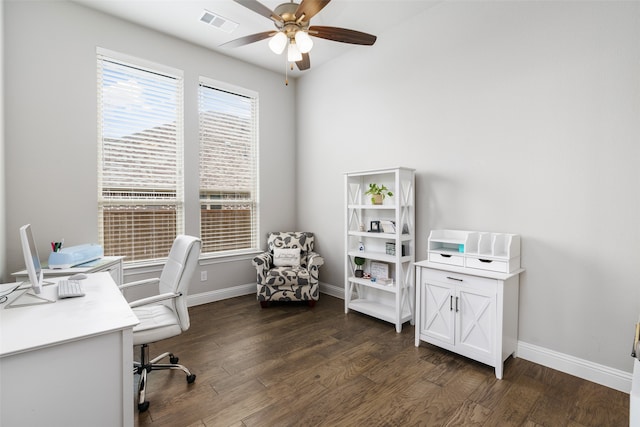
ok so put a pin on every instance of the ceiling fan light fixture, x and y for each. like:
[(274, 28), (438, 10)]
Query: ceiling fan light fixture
[(278, 42), (293, 54), (303, 41)]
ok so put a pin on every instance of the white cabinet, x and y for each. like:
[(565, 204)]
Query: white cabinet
[(384, 237), (470, 312)]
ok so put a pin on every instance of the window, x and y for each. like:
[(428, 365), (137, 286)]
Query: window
[(140, 173), (228, 168)]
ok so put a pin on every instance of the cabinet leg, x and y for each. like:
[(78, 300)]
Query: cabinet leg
[(499, 369)]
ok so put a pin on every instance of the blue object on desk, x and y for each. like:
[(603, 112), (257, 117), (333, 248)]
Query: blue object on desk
[(75, 255)]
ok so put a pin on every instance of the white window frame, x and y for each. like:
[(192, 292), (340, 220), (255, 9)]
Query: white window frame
[(234, 197), (128, 199)]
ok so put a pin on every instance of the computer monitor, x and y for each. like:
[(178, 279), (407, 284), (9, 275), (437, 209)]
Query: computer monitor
[(31, 259)]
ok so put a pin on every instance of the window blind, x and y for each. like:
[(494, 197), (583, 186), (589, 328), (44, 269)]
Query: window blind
[(228, 169), (140, 167)]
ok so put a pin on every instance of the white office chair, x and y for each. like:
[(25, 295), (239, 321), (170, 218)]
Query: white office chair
[(164, 315)]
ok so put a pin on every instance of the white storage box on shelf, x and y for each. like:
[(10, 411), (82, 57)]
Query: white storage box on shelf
[(480, 250)]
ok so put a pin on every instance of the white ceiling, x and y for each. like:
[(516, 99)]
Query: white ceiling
[(181, 18)]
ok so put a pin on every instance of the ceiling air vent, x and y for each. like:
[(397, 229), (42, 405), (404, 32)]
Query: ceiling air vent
[(220, 22)]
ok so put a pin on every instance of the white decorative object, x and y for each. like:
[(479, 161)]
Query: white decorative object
[(389, 297), (379, 270), (388, 226), (284, 257)]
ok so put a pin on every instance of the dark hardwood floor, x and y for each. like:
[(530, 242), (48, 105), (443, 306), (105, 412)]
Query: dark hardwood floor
[(290, 365)]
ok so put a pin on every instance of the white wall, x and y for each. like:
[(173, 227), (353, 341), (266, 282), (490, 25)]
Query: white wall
[(51, 136), (519, 117), (3, 251)]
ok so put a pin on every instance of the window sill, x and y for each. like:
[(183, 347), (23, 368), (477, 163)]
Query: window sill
[(209, 259), (205, 259)]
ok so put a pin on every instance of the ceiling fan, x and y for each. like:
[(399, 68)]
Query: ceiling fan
[(292, 21)]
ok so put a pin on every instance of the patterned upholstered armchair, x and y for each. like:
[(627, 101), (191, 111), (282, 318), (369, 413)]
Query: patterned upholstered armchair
[(288, 271)]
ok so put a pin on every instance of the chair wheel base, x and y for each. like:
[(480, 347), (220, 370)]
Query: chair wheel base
[(143, 406), (191, 378)]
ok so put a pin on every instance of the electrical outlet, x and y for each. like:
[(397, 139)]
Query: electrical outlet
[(203, 276)]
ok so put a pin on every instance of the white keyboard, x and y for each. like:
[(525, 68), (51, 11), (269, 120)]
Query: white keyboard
[(69, 289)]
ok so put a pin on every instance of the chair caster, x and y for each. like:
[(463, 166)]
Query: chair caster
[(173, 359), (143, 406), (191, 378)]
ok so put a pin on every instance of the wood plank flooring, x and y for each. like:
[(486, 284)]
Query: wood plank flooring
[(290, 365)]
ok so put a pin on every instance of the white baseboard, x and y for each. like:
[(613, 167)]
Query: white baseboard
[(249, 288), (221, 294), (334, 291), (590, 371)]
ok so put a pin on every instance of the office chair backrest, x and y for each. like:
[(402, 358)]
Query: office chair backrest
[(178, 271)]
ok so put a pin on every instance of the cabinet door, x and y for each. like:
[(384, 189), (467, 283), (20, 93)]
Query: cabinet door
[(437, 316), (476, 329)]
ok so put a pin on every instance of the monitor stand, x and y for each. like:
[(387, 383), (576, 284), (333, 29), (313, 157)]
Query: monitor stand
[(28, 298)]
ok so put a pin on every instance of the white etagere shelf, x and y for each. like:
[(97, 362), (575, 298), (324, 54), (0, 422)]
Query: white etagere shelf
[(393, 302)]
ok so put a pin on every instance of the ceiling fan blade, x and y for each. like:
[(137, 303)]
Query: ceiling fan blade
[(304, 63), (260, 9), (309, 8), (248, 39), (342, 35)]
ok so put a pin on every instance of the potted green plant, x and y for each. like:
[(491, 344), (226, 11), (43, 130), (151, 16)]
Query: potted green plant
[(359, 261), (378, 193)]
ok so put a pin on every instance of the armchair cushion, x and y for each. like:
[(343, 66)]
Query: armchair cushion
[(279, 276)]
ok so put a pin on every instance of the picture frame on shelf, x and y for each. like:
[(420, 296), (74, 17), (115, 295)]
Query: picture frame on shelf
[(390, 248), (379, 270), (374, 226)]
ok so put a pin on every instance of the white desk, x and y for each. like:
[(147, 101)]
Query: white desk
[(74, 350), (112, 264)]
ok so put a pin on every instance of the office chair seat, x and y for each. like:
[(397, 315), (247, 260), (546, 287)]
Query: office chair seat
[(157, 322)]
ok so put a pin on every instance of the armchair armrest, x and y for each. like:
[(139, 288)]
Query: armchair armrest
[(262, 261), (154, 299), (137, 283), (315, 260)]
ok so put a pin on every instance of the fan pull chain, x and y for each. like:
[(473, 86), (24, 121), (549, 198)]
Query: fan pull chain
[(286, 73)]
